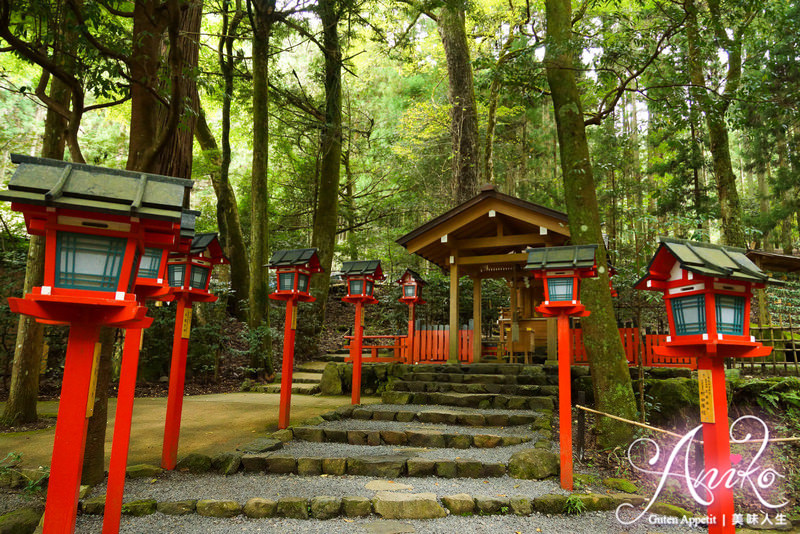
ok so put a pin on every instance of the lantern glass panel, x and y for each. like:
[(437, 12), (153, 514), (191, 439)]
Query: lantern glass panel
[(176, 273), (355, 287), (302, 283), (409, 290), (86, 261), (150, 263), (560, 288), (730, 314), (689, 315), (199, 277), (286, 281), (369, 288)]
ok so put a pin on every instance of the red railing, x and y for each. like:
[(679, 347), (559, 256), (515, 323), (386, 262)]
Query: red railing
[(634, 345), (433, 346), (430, 346)]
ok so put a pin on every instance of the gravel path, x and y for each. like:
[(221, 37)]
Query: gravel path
[(442, 408), (241, 487), (343, 450), (371, 424), (591, 523)]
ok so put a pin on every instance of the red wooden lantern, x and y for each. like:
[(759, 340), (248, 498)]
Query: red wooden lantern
[(707, 290), (151, 284), (360, 277), (95, 222), (188, 273), (411, 285), (561, 270), (294, 269)]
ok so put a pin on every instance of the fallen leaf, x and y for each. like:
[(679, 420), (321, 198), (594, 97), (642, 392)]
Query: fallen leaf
[(348, 520), (516, 486)]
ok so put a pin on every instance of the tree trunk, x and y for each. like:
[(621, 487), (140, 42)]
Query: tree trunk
[(94, 454), (24, 392), (611, 380), (230, 226), (175, 159), (491, 119), (714, 109), (263, 20), (463, 113), (326, 213)]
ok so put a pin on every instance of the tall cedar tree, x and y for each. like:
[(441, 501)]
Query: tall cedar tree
[(611, 379), (263, 18)]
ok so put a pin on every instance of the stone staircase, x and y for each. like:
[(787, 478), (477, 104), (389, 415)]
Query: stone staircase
[(447, 439)]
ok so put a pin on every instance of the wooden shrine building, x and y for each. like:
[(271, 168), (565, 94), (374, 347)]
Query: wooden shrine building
[(486, 237)]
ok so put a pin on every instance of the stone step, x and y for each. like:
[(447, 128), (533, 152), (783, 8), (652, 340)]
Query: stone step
[(540, 379), (333, 357), (470, 400), (303, 377), (428, 438), (444, 416), (312, 367), (386, 466), (486, 368), (298, 388), (446, 387)]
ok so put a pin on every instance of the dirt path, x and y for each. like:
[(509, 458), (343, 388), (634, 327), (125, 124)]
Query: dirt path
[(210, 424)]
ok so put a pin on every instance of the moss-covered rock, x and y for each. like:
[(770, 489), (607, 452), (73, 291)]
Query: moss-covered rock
[(177, 507), (215, 508), (139, 508), (258, 508), (331, 381), (22, 521), (532, 464), (676, 399), (620, 484), (143, 471), (550, 504), (661, 508), (194, 463)]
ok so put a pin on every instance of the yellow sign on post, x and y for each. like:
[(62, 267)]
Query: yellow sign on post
[(187, 323), (706, 384), (93, 380), (294, 316)]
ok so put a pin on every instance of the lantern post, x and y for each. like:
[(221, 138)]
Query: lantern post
[(188, 275), (96, 222), (561, 269), (411, 285), (360, 277), (707, 291), (151, 284), (294, 269)]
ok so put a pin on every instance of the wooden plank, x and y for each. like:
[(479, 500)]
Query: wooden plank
[(518, 257), (499, 241)]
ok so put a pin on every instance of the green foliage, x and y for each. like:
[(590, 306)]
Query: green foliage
[(574, 505)]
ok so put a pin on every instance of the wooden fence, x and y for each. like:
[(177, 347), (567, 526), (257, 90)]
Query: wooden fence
[(430, 345), (635, 346)]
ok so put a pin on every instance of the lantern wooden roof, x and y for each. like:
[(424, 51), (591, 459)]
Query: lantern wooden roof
[(705, 259), (413, 275), (558, 258), (487, 235), (209, 246), (62, 184), (297, 257), (364, 267)]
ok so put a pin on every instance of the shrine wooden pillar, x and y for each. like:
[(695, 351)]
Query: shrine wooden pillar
[(476, 319), (453, 353)]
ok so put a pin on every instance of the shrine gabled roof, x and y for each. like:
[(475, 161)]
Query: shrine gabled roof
[(492, 225), (415, 276), (209, 242), (295, 257), (486, 193), (363, 267), (49, 182), (570, 257), (706, 259)]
